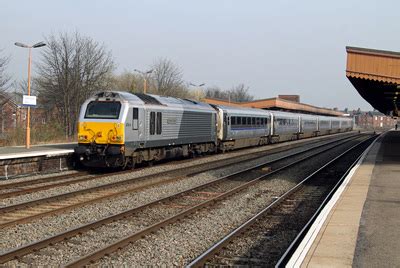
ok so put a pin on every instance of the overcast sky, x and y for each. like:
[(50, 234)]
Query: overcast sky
[(274, 47)]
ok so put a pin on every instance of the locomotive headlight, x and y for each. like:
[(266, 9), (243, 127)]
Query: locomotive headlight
[(82, 137), (116, 138)]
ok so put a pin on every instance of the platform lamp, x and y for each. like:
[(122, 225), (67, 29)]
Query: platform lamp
[(197, 86), (144, 74), (28, 128)]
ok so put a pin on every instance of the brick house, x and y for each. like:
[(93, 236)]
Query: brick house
[(8, 113), (374, 120), (13, 115)]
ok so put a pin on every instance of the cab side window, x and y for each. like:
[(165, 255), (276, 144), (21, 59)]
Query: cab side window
[(152, 123), (135, 117), (159, 123)]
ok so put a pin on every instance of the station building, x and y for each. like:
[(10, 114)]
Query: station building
[(288, 103)]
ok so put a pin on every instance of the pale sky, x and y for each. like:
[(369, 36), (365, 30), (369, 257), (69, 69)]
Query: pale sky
[(274, 47)]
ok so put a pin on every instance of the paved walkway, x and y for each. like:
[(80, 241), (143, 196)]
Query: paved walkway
[(363, 227), (378, 243), (21, 151)]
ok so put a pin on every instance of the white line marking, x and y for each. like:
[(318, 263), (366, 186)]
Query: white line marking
[(301, 252)]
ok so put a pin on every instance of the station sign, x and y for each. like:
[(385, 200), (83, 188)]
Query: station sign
[(28, 100)]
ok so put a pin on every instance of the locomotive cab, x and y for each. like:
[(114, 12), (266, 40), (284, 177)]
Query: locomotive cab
[(101, 130)]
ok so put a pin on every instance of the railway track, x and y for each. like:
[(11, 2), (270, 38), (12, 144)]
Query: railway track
[(22, 187), (174, 207), (269, 237), (18, 188), (27, 211)]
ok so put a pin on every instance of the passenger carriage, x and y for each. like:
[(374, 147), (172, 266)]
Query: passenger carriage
[(242, 127), (285, 126), (308, 126), (324, 125)]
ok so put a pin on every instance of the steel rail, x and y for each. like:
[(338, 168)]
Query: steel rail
[(21, 251), (17, 184), (48, 186), (282, 149), (295, 243), (50, 180), (92, 257), (114, 185), (200, 260)]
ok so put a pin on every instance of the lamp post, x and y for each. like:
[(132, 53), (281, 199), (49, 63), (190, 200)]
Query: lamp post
[(197, 86), (144, 74), (28, 128), (194, 85)]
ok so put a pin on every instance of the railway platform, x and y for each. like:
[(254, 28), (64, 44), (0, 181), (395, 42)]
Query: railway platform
[(360, 225), (36, 150), (18, 161)]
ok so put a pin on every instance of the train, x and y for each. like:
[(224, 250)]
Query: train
[(120, 129)]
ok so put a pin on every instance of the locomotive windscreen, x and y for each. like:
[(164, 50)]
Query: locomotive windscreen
[(103, 110)]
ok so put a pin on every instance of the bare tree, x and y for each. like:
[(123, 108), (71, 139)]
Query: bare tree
[(167, 79), (4, 77), (217, 93), (128, 81), (238, 93), (4, 84), (73, 67)]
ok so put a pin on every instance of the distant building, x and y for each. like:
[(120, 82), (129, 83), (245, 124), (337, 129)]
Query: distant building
[(279, 104), (373, 120), (13, 115), (294, 98), (8, 114)]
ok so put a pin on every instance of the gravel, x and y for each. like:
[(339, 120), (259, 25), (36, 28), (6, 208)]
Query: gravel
[(42, 228), (135, 174), (189, 238)]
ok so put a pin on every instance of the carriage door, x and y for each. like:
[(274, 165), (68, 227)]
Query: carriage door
[(225, 125)]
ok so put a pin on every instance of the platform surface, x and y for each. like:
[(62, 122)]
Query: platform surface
[(36, 150), (363, 227)]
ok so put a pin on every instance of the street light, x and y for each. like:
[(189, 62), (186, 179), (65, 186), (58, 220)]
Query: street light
[(144, 74), (28, 128), (197, 93), (191, 84)]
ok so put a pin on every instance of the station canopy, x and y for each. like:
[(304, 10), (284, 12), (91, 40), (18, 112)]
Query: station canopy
[(278, 104), (376, 76)]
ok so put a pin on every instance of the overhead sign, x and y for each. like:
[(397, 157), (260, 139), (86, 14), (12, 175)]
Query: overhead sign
[(28, 100)]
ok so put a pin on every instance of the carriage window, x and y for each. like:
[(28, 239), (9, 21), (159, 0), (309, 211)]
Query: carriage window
[(152, 123), (248, 121), (253, 121), (159, 123), (135, 117), (233, 120)]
